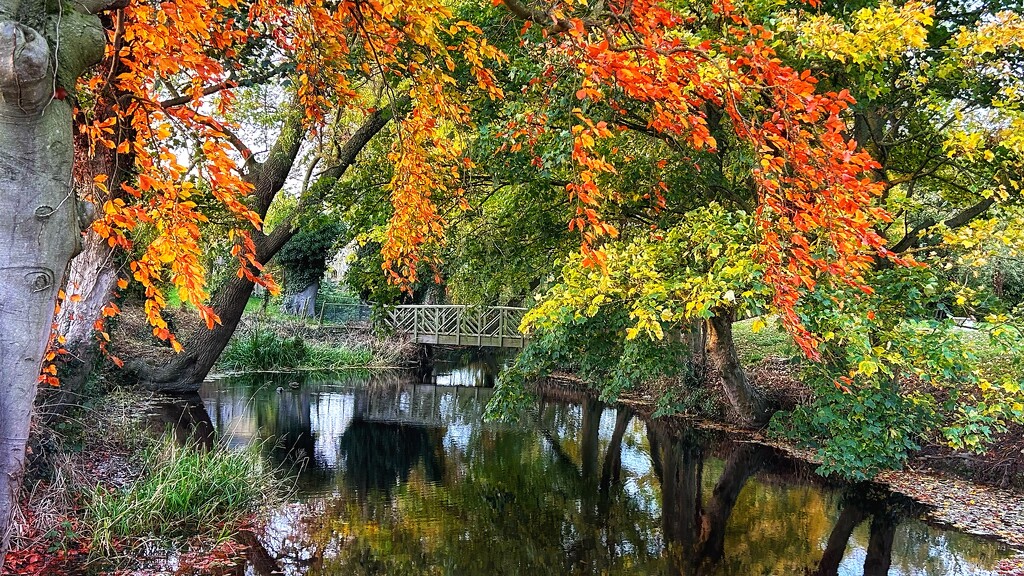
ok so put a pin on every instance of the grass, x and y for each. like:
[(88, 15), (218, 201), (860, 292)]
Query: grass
[(994, 361), (261, 348), (320, 356), (185, 491), (771, 340)]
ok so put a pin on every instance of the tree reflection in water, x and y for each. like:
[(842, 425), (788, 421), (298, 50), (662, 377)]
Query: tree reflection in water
[(398, 478)]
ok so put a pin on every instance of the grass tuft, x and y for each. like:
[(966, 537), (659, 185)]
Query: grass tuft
[(185, 491)]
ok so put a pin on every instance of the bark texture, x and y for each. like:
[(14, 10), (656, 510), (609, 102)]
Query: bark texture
[(749, 407), (40, 231), (302, 303)]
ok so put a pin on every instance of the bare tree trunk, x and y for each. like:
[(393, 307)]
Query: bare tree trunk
[(611, 469), (747, 404), (302, 303), (40, 230), (744, 461), (92, 277), (93, 273), (879, 555), (187, 370)]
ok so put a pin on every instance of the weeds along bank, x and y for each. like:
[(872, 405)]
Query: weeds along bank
[(276, 344), (271, 341), (105, 484)]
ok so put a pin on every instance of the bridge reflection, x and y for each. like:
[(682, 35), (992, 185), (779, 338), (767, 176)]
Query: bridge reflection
[(405, 477)]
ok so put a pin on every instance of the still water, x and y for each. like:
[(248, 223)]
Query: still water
[(398, 477)]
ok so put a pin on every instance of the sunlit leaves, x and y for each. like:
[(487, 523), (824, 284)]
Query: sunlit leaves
[(665, 280), (816, 214), (160, 103), (870, 37)]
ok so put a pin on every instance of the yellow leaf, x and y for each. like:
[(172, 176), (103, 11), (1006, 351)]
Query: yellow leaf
[(757, 326)]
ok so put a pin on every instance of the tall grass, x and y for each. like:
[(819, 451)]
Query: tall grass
[(185, 491), (263, 349)]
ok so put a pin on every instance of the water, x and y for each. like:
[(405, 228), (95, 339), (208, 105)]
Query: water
[(397, 477)]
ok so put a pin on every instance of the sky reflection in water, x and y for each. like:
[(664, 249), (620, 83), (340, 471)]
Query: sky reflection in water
[(401, 478)]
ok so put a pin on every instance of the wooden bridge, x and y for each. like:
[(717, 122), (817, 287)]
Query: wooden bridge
[(493, 326)]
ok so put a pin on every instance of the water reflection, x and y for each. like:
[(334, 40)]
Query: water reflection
[(404, 478), (468, 367), (185, 417)]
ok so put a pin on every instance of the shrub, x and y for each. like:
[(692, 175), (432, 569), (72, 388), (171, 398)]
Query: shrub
[(261, 348)]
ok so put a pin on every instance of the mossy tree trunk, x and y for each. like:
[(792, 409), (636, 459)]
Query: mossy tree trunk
[(41, 228), (748, 406)]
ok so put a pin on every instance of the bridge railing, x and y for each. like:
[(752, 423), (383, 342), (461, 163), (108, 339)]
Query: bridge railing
[(454, 325)]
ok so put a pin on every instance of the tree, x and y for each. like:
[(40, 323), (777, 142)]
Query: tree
[(746, 130), (937, 105), (304, 259), (43, 227), (841, 291), (172, 74)]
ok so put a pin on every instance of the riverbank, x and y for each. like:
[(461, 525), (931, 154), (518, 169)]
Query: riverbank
[(386, 431), (129, 480), (268, 342), (971, 507)]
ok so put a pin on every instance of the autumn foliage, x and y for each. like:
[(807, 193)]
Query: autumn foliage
[(159, 102), (816, 196)]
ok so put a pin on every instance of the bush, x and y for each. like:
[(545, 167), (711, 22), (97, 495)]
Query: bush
[(263, 349)]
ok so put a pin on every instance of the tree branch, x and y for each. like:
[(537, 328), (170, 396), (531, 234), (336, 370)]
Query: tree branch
[(964, 217), (269, 244), (225, 85), (97, 6), (554, 24)]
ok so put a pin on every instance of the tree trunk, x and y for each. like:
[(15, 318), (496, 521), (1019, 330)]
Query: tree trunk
[(744, 461), (92, 277), (611, 469), (696, 340), (849, 518), (748, 406), (303, 303), (879, 554), (187, 370), (40, 230), (93, 274)]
